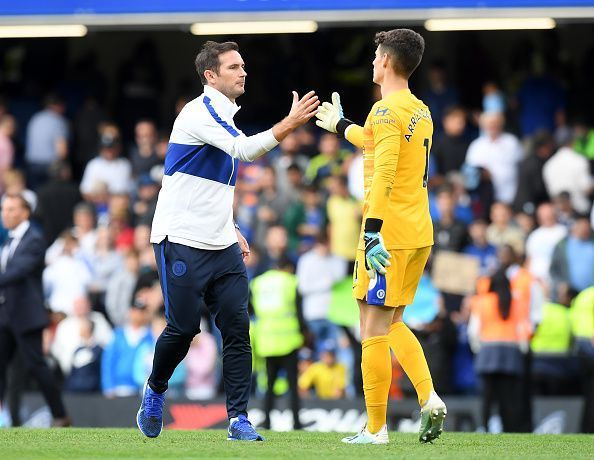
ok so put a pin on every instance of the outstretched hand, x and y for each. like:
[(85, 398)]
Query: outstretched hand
[(329, 114), (304, 109)]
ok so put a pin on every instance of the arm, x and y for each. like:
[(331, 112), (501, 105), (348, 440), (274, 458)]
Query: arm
[(29, 260), (217, 132)]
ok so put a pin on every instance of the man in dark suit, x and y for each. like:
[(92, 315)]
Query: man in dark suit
[(22, 313)]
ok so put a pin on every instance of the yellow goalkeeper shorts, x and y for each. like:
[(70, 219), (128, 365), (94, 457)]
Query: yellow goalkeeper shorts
[(402, 276)]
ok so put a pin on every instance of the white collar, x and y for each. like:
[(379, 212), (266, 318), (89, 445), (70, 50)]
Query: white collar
[(19, 231), (222, 102)]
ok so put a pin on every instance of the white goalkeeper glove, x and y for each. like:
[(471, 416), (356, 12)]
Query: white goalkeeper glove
[(331, 117)]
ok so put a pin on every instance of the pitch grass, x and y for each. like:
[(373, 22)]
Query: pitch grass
[(80, 443)]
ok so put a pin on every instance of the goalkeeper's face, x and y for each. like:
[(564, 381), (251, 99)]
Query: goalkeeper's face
[(379, 66), (230, 79)]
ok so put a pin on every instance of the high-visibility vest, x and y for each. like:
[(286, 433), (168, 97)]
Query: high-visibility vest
[(343, 309), (581, 314), (493, 328), (553, 334), (276, 329)]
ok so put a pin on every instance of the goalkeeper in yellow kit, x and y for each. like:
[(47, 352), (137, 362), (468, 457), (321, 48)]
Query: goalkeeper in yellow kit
[(396, 233)]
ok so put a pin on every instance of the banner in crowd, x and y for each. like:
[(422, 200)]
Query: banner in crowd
[(550, 415)]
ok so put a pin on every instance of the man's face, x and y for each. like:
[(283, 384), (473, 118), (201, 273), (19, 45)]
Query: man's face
[(378, 66), (13, 213), (230, 79)]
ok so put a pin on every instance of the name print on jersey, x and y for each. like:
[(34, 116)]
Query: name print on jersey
[(418, 115)]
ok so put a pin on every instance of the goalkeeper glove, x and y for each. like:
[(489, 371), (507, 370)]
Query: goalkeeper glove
[(376, 254), (331, 117)]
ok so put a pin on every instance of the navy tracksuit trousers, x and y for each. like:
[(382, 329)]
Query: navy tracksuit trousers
[(193, 277)]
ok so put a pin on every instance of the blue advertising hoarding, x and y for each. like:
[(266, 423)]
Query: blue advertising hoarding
[(73, 7)]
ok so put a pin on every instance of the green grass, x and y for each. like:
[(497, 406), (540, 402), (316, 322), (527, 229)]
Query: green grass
[(127, 443)]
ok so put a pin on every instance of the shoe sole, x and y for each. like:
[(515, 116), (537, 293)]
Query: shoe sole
[(138, 425), (437, 418)]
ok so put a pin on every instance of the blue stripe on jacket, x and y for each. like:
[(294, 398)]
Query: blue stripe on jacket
[(203, 161), (230, 129)]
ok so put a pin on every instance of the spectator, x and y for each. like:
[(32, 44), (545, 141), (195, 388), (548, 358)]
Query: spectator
[(56, 201), (552, 367), (294, 183), (573, 257), (481, 249), (493, 98), (327, 376), (542, 241), (450, 146), (107, 168), (564, 210), (439, 95), (104, 262), (450, 233), (275, 248), (568, 171), (7, 148), (499, 153), (201, 365), (493, 326), (502, 231), (143, 154), (317, 271), (272, 203), (15, 184), (328, 162), (145, 204), (117, 363), (68, 336), (85, 373), (278, 331), (344, 218), (288, 155), (532, 190), (47, 139), (67, 277), (307, 141), (582, 327), (120, 289), (304, 220)]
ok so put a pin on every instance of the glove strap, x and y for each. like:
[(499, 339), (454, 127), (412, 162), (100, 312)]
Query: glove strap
[(342, 126), (373, 225)]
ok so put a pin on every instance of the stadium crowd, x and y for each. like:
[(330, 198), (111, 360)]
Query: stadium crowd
[(516, 201)]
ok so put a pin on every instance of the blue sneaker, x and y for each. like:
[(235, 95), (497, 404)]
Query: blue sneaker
[(150, 415), (242, 430)]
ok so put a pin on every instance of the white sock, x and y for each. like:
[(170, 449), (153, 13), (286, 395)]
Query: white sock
[(232, 420)]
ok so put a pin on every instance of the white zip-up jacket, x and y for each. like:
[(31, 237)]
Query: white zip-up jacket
[(195, 204)]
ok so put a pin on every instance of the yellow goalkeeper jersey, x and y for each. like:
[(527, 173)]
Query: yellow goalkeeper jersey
[(396, 141)]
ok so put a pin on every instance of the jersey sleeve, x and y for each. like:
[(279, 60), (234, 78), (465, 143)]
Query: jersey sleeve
[(354, 134), (386, 129)]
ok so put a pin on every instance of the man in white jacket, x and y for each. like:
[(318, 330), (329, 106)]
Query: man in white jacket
[(197, 246)]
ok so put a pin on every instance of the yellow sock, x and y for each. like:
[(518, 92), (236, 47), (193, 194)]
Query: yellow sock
[(376, 365), (409, 353)]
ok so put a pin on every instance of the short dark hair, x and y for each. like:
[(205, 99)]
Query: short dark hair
[(405, 47), (208, 57), (21, 199)]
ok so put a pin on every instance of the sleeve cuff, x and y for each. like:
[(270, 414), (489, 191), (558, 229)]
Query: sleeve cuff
[(373, 225), (268, 140)]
